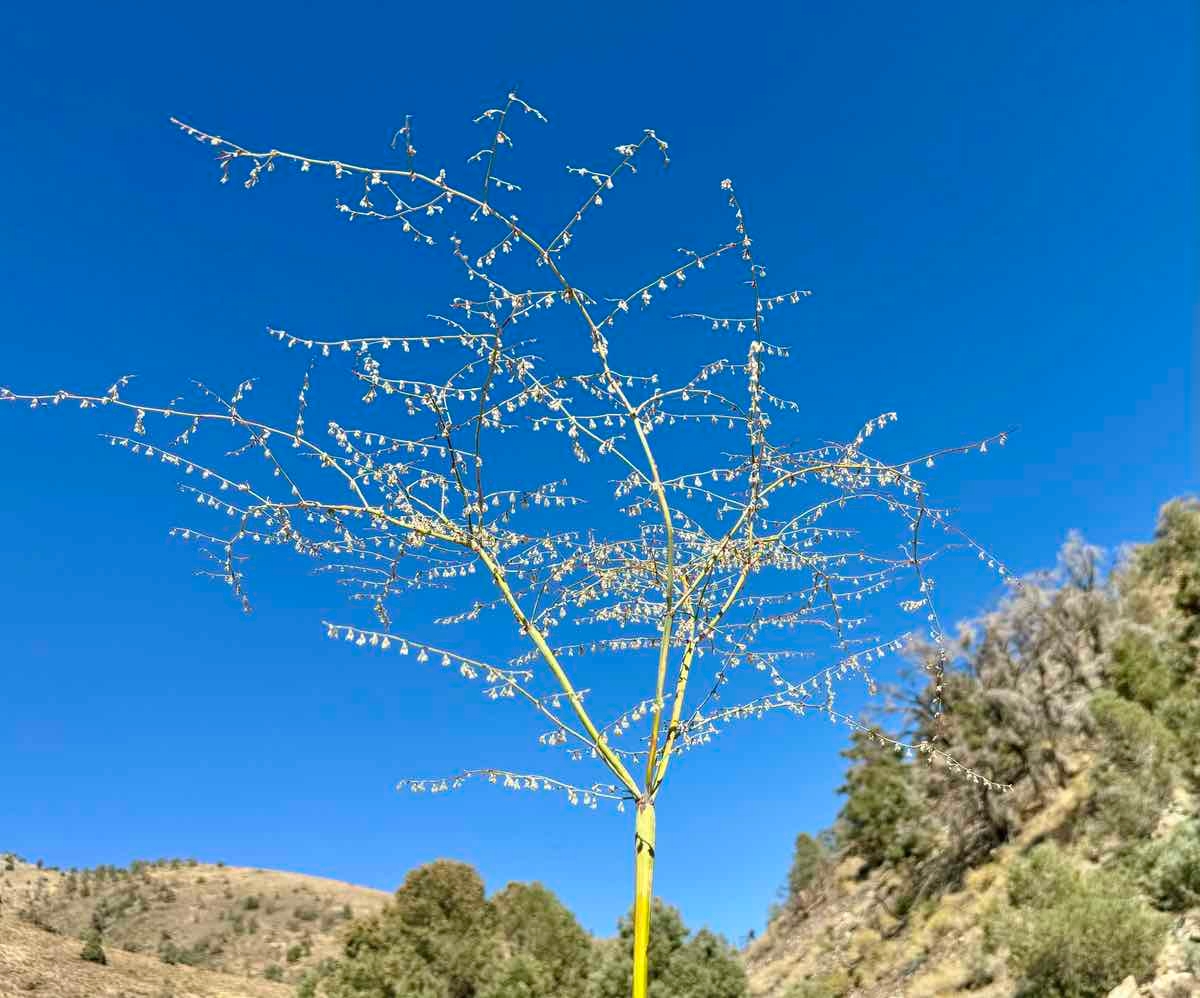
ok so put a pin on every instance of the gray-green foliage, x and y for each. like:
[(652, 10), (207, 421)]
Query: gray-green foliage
[(1074, 935), (1014, 703), (92, 951), (1079, 673), (1139, 670), (1133, 774), (880, 819), (706, 966), (1156, 662), (680, 966), (809, 856), (538, 928), (1171, 868), (521, 976), (441, 937), (434, 939)]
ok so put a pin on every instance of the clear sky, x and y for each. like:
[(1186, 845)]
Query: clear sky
[(993, 204)]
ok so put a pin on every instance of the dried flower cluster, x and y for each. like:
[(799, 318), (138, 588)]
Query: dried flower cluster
[(726, 549)]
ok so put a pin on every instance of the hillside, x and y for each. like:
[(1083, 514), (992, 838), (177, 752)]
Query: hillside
[(1081, 690), (856, 940), (1079, 694), (34, 962), (179, 914), (440, 935)]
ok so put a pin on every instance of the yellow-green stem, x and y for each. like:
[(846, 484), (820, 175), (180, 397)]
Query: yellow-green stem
[(643, 876)]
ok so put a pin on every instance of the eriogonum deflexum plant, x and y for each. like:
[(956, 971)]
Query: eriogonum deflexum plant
[(725, 545)]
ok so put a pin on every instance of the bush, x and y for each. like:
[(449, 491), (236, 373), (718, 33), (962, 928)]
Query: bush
[(520, 977), (703, 966), (536, 926), (1075, 936), (807, 859), (306, 913), (1138, 671), (1172, 869), (879, 819), (250, 903), (92, 951), (437, 935), (1132, 779), (273, 972), (1181, 713), (295, 953), (1041, 879)]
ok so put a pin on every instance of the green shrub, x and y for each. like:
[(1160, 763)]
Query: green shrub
[(295, 953), (273, 972), (1181, 713), (1133, 776), (1172, 868), (533, 924), (1138, 671), (92, 951), (520, 977), (306, 913), (1041, 879), (250, 903), (879, 819), (808, 857), (312, 979), (1075, 936), (703, 966)]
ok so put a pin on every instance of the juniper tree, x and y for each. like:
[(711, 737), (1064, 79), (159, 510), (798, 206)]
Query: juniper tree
[(726, 545)]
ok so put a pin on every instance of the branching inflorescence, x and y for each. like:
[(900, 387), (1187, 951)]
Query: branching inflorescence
[(717, 556)]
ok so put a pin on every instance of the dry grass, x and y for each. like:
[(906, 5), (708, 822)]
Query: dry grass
[(34, 962), (231, 920)]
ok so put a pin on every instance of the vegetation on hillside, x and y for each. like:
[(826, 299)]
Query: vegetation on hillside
[(1082, 690), (438, 936), (253, 923), (441, 937)]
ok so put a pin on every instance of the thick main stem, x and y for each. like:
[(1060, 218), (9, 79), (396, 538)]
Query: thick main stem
[(643, 876)]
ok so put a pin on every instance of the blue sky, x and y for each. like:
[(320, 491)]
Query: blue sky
[(994, 206)]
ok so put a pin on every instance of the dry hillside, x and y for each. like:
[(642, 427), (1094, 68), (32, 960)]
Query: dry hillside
[(35, 963), (1080, 691), (171, 916), (852, 939)]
